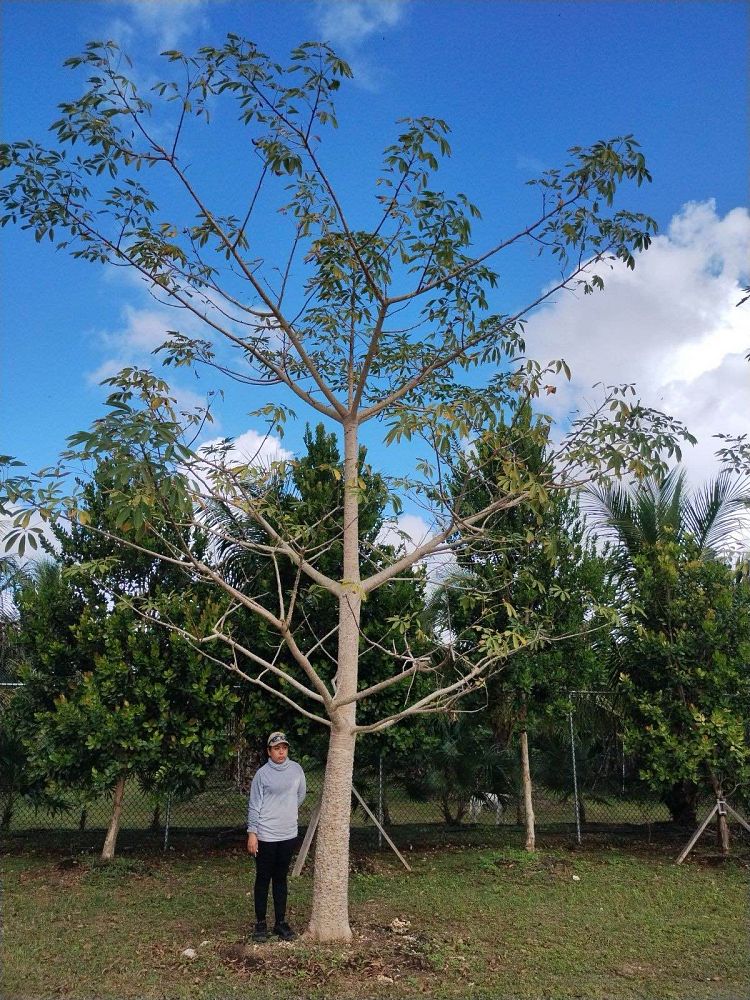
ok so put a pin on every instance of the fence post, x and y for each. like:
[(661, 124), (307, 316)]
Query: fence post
[(166, 821), (575, 775), (380, 801)]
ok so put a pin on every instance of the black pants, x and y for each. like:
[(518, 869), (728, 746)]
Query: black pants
[(272, 866)]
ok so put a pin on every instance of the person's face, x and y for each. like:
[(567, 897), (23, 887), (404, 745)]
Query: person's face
[(278, 753)]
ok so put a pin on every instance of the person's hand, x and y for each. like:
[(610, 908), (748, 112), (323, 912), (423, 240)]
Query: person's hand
[(252, 843)]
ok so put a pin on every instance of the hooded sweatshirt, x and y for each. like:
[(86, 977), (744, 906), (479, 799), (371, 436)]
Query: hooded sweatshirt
[(276, 794)]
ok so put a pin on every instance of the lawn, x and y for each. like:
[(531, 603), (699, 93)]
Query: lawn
[(473, 921)]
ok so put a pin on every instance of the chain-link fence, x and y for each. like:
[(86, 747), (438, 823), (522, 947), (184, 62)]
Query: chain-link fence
[(584, 788)]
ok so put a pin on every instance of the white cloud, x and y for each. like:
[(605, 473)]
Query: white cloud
[(133, 342), (39, 529), (141, 332), (106, 369), (407, 533), (250, 448), (672, 326), (349, 24), (414, 528), (169, 21)]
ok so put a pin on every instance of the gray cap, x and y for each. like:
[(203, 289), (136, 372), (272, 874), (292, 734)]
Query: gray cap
[(276, 738)]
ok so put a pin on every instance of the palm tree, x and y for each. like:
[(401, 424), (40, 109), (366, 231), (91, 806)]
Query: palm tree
[(639, 518)]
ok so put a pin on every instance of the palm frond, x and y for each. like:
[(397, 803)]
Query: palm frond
[(643, 515), (713, 514)]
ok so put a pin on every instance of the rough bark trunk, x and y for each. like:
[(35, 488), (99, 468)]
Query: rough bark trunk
[(83, 819), (156, 818), (110, 842), (526, 779), (329, 920), (581, 810), (374, 804), (445, 806)]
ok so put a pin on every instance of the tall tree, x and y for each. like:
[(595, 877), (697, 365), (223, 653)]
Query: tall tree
[(367, 323)]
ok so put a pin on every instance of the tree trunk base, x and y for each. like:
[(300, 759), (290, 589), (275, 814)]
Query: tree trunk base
[(329, 919), (110, 843), (337, 933), (722, 834), (528, 800)]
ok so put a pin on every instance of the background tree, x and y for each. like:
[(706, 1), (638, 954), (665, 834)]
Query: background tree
[(109, 694), (683, 663), (368, 323), (663, 531), (459, 761), (535, 576)]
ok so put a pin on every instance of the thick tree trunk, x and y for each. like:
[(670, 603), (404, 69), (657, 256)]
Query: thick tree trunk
[(110, 842), (156, 818), (83, 818), (329, 920), (681, 800), (526, 779)]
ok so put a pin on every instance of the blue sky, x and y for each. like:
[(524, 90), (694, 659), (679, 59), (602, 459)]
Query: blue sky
[(519, 83)]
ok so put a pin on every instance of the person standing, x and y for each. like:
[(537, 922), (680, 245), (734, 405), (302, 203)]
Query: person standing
[(277, 791)]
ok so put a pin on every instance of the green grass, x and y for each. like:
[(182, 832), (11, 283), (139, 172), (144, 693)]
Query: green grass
[(483, 921)]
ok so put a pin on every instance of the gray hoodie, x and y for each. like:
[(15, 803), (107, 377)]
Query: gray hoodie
[(276, 794)]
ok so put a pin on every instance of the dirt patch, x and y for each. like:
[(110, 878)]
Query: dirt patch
[(630, 970), (539, 864), (376, 955)]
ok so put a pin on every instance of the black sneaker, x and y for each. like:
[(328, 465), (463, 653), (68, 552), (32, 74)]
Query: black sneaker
[(284, 931), (260, 934)]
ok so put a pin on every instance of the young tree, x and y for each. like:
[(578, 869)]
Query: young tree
[(369, 323)]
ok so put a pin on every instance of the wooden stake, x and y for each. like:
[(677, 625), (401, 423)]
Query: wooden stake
[(374, 818), (312, 826), (696, 835), (722, 807), (299, 864)]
